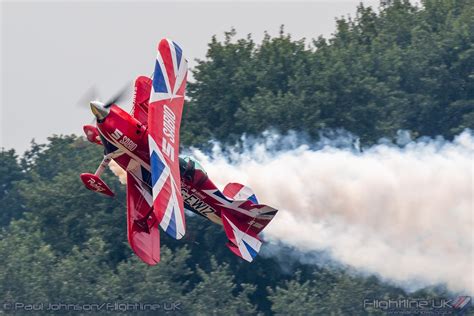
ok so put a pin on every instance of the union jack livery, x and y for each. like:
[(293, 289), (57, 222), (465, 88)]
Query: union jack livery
[(160, 184), (165, 110)]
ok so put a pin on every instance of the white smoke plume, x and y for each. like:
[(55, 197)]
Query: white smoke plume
[(403, 212), (118, 171)]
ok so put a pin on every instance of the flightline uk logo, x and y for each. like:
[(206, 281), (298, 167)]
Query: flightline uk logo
[(417, 306)]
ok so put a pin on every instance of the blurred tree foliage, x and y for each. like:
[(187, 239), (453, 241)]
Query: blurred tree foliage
[(401, 68)]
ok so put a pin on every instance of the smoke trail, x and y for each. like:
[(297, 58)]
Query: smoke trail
[(402, 212), (118, 171)]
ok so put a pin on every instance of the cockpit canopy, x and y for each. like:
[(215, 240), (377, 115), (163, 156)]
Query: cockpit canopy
[(191, 170), (197, 165)]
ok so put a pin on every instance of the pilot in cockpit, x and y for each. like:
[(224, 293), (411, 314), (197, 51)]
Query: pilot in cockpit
[(191, 171)]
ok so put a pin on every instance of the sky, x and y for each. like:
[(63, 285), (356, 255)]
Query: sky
[(52, 52)]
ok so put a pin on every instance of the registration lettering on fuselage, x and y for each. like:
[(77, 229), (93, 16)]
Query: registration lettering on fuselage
[(196, 203)]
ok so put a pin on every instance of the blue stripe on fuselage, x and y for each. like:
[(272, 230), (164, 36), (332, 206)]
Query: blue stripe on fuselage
[(219, 194)]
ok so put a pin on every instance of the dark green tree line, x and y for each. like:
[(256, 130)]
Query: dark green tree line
[(70, 246), (403, 68)]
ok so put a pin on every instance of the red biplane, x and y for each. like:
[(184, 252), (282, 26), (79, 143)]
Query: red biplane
[(160, 184)]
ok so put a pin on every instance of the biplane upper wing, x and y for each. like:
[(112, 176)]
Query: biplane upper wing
[(164, 119)]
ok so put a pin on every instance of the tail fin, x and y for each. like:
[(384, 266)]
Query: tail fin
[(262, 214), (244, 220), (243, 242), (243, 231), (237, 191)]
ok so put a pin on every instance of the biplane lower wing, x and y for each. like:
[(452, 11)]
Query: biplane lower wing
[(142, 225)]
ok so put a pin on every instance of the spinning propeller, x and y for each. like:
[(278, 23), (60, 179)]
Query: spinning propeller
[(101, 109)]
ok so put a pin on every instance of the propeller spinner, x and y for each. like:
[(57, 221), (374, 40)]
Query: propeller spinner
[(100, 110)]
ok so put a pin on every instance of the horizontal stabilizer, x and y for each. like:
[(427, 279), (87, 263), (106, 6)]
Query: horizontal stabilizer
[(237, 191)]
